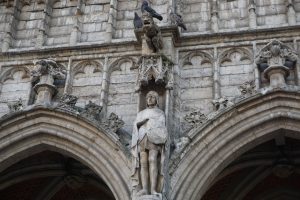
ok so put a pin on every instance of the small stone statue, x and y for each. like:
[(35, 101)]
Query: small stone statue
[(148, 148), (152, 33)]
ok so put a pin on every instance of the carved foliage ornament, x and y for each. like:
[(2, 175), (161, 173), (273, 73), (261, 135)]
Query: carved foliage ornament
[(276, 54), (16, 106), (47, 67), (113, 123), (247, 88), (157, 67), (221, 103), (195, 118), (67, 101), (91, 111)]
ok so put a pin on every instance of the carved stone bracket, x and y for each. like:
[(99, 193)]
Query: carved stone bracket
[(195, 118), (44, 73), (16, 106), (157, 67), (275, 60), (113, 123)]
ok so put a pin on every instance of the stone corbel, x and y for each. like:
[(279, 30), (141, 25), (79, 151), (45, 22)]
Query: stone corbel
[(155, 67), (275, 60), (45, 72)]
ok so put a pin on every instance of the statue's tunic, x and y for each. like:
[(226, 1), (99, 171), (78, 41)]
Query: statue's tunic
[(150, 135)]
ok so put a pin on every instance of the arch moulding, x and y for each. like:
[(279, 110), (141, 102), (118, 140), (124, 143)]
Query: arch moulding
[(231, 133), (26, 133)]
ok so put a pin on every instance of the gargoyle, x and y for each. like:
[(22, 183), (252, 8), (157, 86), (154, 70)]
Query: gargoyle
[(152, 33)]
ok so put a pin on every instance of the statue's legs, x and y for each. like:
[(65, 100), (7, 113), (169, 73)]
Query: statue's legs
[(144, 173), (153, 170)]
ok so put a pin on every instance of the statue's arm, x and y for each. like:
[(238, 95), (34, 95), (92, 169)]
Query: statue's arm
[(141, 123)]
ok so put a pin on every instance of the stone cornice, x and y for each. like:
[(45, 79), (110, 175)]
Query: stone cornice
[(134, 45)]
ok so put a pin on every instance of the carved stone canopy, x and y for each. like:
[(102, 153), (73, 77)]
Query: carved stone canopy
[(157, 67), (276, 54)]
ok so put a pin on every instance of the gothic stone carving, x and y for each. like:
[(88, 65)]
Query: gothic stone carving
[(180, 144), (67, 102), (113, 123), (16, 106), (221, 103), (44, 73), (152, 33), (275, 60), (148, 144), (92, 111), (195, 118), (247, 89), (157, 67)]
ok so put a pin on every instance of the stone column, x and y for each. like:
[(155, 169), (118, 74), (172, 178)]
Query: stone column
[(111, 17), (45, 72), (276, 60), (252, 15), (214, 17), (291, 14)]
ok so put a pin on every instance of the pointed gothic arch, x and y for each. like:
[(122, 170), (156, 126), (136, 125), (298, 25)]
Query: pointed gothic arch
[(222, 139), (29, 132)]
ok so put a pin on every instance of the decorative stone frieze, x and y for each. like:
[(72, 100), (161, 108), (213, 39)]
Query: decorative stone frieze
[(152, 33), (195, 118), (113, 123), (44, 73), (221, 103), (247, 89), (157, 67), (16, 106), (275, 60)]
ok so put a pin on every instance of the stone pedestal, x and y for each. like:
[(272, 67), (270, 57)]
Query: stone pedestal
[(150, 197), (45, 92), (277, 75)]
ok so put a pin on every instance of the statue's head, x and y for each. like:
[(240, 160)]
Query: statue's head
[(152, 99)]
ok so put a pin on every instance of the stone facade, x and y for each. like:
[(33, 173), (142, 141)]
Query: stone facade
[(223, 58)]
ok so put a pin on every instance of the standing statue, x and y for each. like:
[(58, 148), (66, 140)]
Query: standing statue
[(148, 148)]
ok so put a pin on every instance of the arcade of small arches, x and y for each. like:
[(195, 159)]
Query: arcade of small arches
[(250, 151)]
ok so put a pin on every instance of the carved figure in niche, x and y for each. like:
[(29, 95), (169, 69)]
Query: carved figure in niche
[(148, 148), (152, 33)]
